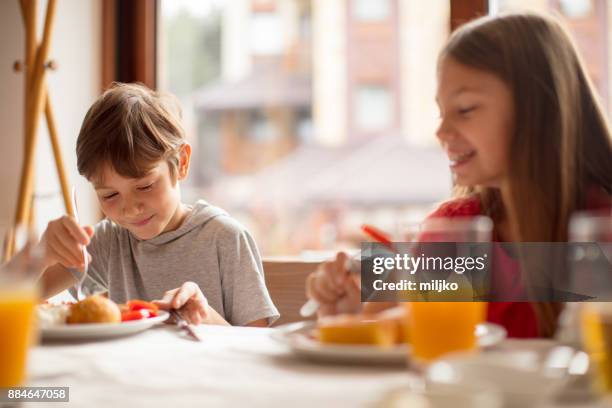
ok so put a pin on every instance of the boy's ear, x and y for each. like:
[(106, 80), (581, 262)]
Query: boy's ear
[(184, 159)]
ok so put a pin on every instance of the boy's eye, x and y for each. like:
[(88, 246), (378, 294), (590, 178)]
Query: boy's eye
[(146, 188), (109, 196)]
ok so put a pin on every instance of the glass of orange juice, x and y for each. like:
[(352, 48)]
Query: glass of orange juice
[(437, 328), (18, 297), (596, 320), (591, 274), (441, 323)]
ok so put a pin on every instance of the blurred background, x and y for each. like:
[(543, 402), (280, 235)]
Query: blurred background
[(307, 117)]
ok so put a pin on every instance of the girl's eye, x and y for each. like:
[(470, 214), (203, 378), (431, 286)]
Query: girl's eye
[(109, 196), (146, 188), (465, 111)]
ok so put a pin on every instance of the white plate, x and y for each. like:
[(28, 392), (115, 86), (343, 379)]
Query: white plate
[(297, 337), (101, 330)]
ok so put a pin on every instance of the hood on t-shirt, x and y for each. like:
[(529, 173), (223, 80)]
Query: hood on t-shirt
[(201, 213)]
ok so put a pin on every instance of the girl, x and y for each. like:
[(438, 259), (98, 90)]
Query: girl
[(528, 144)]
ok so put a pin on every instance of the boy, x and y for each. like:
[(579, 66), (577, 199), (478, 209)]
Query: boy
[(131, 147)]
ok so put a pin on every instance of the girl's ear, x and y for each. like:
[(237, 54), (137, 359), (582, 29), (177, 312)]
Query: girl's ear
[(184, 159)]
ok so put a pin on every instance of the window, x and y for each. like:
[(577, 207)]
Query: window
[(371, 11), (265, 34), (373, 110), (303, 126), (576, 8), (280, 98), (261, 129)]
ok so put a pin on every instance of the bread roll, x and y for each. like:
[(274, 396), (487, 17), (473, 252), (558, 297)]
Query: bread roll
[(94, 309)]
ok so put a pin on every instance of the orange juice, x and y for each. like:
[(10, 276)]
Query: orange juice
[(437, 328), (597, 338), (16, 332)]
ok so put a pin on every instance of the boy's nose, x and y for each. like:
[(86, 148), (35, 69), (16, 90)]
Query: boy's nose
[(132, 209)]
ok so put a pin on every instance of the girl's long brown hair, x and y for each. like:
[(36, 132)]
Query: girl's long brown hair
[(561, 144)]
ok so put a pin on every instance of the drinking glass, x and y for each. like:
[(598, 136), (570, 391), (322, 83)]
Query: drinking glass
[(436, 327), (592, 274), (18, 296)]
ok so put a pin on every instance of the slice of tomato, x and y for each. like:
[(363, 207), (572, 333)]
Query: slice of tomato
[(134, 315), (138, 304)]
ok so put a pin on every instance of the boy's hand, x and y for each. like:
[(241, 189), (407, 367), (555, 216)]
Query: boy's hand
[(63, 242), (189, 301)]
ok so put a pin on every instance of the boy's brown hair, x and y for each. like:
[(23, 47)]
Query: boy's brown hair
[(131, 128)]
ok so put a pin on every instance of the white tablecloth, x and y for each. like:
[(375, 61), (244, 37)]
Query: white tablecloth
[(233, 366)]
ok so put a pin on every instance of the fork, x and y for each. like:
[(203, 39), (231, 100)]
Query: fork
[(184, 325), (80, 293)]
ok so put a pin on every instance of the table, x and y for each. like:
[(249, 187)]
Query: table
[(233, 366)]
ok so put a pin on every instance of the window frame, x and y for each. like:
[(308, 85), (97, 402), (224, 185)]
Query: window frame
[(129, 42), (462, 11)]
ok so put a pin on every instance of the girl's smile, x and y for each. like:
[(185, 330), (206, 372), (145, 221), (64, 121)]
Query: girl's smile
[(459, 159), (476, 124)]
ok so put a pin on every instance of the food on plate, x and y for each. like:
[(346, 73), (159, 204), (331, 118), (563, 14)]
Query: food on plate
[(138, 304), (398, 316), (138, 309), (384, 329), (94, 309), (357, 329), (50, 315)]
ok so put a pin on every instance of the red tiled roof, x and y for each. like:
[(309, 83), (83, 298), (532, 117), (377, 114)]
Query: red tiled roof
[(386, 170), (263, 88)]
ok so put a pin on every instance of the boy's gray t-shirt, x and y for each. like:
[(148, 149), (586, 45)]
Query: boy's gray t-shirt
[(210, 248)]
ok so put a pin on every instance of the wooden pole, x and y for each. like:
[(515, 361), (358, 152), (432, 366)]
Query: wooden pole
[(35, 107), (57, 153), (29, 6), (28, 11), (51, 125), (36, 98)]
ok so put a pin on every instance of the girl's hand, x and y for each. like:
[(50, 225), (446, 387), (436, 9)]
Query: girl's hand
[(189, 301), (63, 242), (333, 287)]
